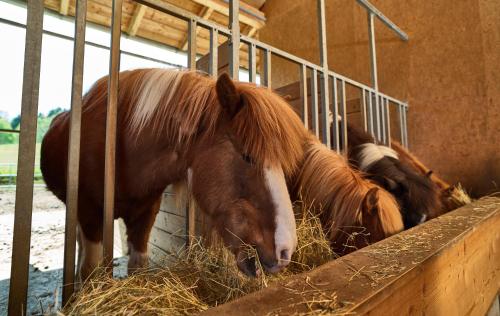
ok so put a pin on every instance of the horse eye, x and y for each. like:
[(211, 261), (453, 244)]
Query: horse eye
[(248, 159)]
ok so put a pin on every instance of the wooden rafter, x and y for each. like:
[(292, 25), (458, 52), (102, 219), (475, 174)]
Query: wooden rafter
[(256, 19), (136, 19), (205, 13), (64, 7)]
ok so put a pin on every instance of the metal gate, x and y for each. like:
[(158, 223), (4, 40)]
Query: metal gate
[(375, 107)]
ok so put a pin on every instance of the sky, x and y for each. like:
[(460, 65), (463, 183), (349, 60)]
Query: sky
[(57, 59)]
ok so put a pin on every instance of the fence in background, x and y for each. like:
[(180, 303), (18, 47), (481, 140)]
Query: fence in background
[(332, 88)]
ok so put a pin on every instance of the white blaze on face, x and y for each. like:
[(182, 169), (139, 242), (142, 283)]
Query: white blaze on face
[(371, 153), (285, 236)]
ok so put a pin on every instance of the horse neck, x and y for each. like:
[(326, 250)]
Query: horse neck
[(356, 137)]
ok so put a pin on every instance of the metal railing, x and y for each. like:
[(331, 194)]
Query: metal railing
[(375, 109)]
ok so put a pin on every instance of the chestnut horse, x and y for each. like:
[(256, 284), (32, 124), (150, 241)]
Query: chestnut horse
[(235, 140), (354, 212), (417, 195), (452, 196)]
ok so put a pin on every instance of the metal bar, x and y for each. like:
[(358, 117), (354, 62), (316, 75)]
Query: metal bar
[(335, 124), (373, 51), (314, 99), (378, 132), (74, 153), (267, 69), (343, 117), (191, 50), (69, 38), (325, 102), (388, 120), (234, 45), (186, 15), (373, 10), (214, 52), (364, 110), (110, 149), (405, 112), (382, 119), (3, 130), (18, 291), (401, 122), (371, 119), (303, 95), (252, 63)]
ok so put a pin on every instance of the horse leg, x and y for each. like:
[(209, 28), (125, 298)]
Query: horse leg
[(138, 231), (89, 255)]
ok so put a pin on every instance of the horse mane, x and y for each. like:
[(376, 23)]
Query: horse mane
[(183, 106), (408, 158), (326, 178)]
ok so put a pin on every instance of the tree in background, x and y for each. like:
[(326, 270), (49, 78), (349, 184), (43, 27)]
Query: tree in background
[(6, 138), (43, 124)]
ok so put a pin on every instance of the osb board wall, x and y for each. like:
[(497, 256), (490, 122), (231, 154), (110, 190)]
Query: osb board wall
[(449, 72)]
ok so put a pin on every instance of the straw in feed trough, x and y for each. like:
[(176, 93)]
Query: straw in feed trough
[(196, 279)]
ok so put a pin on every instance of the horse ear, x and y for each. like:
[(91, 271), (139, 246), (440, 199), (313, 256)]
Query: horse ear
[(370, 201), (390, 184), (229, 97)]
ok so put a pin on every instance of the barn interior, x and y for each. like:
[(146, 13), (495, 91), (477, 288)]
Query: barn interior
[(447, 73)]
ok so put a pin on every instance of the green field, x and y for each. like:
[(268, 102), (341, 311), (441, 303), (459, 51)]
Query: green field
[(8, 159)]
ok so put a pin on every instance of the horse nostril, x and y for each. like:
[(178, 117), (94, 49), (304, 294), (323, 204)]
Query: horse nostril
[(284, 255)]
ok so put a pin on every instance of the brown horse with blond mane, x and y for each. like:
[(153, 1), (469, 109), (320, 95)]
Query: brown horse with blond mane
[(354, 212), (233, 141)]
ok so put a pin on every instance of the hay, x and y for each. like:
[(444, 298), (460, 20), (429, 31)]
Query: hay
[(459, 196), (198, 278)]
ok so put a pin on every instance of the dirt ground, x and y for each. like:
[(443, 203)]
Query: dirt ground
[(46, 254)]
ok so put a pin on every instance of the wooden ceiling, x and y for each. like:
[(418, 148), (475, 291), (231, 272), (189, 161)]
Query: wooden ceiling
[(141, 21)]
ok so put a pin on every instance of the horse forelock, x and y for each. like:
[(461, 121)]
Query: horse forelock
[(270, 131), (326, 180)]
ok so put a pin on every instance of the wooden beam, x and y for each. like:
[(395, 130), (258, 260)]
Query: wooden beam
[(136, 19), (205, 13), (447, 266), (255, 19), (64, 7)]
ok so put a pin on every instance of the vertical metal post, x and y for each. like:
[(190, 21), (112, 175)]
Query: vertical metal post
[(267, 69), (388, 120), (373, 50), (401, 122), (373, 72), (405, 112), (214, 52), (377, 117), (18, 291), (364, 110), (335, 123), (252, 63), (74, 152), (382, 120), (370, 117), (191, 50), (234, 45), (343, 115), (110, 149), (314, 99), (325, 108), (303, 95)]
